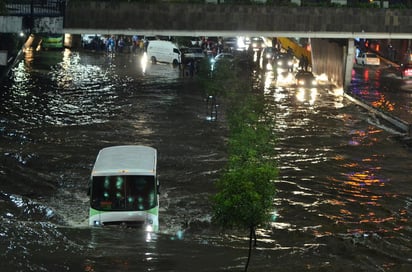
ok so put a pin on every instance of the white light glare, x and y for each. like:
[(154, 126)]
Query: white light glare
[(143, 62), (149, 228)]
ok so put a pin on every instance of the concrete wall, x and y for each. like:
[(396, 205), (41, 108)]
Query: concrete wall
[(235, 18), (11, 24), (48, 25), (328, 58)]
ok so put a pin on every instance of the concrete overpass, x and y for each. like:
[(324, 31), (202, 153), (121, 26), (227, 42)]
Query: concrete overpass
[(320, 24), (265, 20)]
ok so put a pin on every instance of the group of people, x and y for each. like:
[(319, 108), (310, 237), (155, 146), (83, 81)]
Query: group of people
[(125, 44), (212, 46), (117, 44)]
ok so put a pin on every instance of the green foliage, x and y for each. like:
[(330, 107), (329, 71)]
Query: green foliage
[(245, 196), (246, 189), (250, 133), (219, 81)]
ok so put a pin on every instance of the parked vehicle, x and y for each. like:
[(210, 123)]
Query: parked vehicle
[(406, 70), (192, 53), (52, 41), (124, 187), (163, 51), (224, 56), (92, 41), (230, 44), (220, 58), (367, 58)]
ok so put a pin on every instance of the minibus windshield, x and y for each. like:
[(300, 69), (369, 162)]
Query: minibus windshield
[(123, 193)]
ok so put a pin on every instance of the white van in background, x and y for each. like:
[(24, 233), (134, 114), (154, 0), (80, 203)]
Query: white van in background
[(163, 51)]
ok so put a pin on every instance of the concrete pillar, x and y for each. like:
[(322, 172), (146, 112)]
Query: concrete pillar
[(348, 58)]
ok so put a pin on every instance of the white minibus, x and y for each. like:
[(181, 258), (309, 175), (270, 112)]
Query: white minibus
[(124, 189)]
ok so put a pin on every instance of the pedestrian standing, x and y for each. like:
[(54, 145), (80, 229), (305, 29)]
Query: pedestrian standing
[(110, 45)]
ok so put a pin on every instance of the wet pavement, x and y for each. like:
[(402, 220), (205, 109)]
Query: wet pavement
[(343, 202)]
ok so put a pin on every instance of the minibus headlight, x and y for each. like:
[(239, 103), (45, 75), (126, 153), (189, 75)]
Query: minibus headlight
[(149, 228), (149, 224)]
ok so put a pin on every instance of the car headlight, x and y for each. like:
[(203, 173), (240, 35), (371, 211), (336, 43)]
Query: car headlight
[(314, 82)]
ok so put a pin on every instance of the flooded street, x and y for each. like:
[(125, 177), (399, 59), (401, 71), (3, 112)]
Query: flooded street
[(344, 199)]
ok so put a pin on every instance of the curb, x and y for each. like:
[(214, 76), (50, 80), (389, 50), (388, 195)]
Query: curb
[(401, 125)]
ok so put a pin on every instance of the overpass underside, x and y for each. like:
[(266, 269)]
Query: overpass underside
[(320, 24)]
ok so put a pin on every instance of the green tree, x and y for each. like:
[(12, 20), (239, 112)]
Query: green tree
[(217, 79), (245, 192)]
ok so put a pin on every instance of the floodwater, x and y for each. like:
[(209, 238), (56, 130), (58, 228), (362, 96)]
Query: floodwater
[(344, 197)]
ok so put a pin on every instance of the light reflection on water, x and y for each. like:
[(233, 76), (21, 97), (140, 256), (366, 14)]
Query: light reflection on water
[(343, 201), (331, 176), (383, 89)]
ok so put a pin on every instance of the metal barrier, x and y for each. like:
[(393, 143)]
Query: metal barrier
[(399, 124)]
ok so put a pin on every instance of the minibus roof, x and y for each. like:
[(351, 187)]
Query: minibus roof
[(125, 160)]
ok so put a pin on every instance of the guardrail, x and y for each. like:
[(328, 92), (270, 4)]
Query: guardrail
[(399, 124)]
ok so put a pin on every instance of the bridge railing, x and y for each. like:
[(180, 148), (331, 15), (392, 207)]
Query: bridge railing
[(56, 7), (35, 8), (303, 3)]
